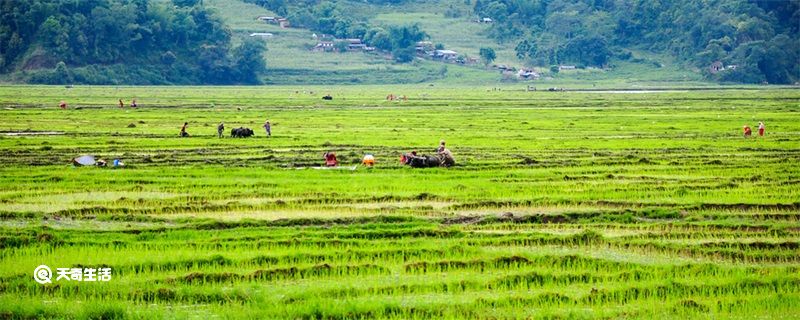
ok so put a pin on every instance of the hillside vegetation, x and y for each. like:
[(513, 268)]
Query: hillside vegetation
[(208, 42), (120, 41), (759, 38)]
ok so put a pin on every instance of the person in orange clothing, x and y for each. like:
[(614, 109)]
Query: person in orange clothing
[(747, 131), (368, 161)]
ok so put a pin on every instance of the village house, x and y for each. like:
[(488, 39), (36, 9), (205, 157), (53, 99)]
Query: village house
[(355, 44), (716, 66), (268, 19), (323, 46), (445, 54), (527, 74), (486, 20), (282, 22), (423, 47), (262, 35)]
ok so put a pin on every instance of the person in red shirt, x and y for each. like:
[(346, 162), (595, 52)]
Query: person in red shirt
[(747, 131), (761, 129), (330, 159), (62, 105)]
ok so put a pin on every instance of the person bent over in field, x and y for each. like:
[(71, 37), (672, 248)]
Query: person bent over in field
[(183, 130), (369, 160), (330, 159), (446, 158)]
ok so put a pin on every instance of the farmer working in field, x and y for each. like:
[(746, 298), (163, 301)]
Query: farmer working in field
[(441, 146), (407, 157), (121, 105), (446, 157), (183, 130), (62, 105), (133, 103), (761, 129), (369, 160), (747, 131), (268, 128), (220, 129), (330, 159)]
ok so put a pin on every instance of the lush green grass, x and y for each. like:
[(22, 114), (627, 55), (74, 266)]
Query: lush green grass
[(563, 204)]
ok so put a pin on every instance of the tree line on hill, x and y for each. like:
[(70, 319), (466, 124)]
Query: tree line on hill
[(122, 41), (757, 38)]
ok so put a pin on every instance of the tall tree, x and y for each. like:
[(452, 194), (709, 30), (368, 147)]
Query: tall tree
[(487, 55)]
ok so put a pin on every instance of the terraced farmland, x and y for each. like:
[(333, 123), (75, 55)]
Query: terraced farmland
[(562, 205)]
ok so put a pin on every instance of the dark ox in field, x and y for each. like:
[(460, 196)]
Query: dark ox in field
[(241, 132), (429, 161)]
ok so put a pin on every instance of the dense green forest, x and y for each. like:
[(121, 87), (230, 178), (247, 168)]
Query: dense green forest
[(122, 41), (759, 38)]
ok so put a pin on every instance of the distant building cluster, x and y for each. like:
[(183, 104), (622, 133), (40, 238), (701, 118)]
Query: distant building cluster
[(327, 43), (427, 49), (282, 22)]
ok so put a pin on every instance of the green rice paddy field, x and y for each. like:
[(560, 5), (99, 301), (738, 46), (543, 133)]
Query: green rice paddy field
[(562, 204)]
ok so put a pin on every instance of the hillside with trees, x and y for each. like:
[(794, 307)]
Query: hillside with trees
[(750, 41), (122, 41), (210, 42)]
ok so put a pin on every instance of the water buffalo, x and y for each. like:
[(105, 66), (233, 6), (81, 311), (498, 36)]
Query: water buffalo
[(424, 161), (241, 132)]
